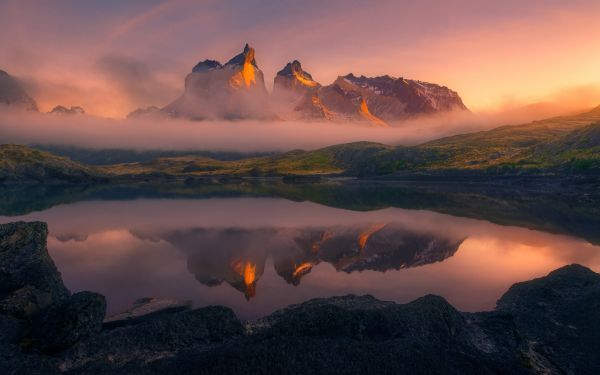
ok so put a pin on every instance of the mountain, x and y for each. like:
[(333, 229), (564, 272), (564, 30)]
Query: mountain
[(384, 99), (377, 100), (13, 94), (61, 110), (235, 90)]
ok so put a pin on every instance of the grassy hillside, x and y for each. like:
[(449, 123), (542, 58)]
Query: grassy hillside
[(24, 164), (578, 150), (527, 147)]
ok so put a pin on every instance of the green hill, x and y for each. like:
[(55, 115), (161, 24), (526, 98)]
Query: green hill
[(21, 164)]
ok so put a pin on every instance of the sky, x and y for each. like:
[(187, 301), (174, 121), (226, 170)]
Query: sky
[(114, 56)]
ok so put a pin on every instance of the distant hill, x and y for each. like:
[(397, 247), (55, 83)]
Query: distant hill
[(21, 164)]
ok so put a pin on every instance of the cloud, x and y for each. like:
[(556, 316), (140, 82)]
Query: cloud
[(136, 80)]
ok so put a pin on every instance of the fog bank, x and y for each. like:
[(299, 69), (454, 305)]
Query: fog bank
[(243, 136)]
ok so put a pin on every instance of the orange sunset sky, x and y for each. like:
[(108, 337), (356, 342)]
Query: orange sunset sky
[(114, 56)]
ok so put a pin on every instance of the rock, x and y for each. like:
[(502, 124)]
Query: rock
[(146, 308), (13, 95), (559, 315), (353, 335), (29, 280), (131, 348), (65, 323)]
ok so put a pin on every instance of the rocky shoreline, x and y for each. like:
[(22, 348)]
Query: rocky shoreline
[(548, 325)]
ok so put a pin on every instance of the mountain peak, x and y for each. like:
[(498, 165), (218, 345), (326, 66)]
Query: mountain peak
[(206, 65), (247, 56), (292, 76)]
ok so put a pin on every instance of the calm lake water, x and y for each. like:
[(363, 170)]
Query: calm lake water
[(257, 255)]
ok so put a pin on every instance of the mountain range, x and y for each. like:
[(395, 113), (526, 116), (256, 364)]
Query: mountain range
[(239, 256), (236, 90)]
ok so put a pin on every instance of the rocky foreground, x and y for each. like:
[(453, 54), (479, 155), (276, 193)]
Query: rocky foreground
[(549, 325)]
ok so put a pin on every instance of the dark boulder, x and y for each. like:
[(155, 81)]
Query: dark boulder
[(559, 314), (65, 323), (129, 349), (29, 280), (361, 335)]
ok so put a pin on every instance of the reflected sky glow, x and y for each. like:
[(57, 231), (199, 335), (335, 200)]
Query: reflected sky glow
[(162, 248)]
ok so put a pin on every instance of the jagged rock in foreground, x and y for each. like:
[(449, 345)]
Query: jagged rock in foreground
[(29, 280), (549, 325), (65, 323), (13, 95)]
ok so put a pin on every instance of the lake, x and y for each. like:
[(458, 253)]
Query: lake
[(257, 254)]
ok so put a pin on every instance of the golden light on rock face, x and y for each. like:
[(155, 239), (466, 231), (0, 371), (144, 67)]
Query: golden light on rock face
[(365, 235), (365, 113), (248, 68), (303, 80)]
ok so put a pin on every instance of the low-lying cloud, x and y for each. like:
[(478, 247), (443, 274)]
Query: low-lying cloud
[(244, 136)]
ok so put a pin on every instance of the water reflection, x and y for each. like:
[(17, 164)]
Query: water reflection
[(238, 256), (256, 254)]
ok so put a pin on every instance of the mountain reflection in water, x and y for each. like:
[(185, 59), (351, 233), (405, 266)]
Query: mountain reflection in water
[(238, 256), (260, 254)]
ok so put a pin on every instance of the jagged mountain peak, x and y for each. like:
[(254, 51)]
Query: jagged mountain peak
[(247, 56), (293, 71), (206, 65), (236, 90)]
